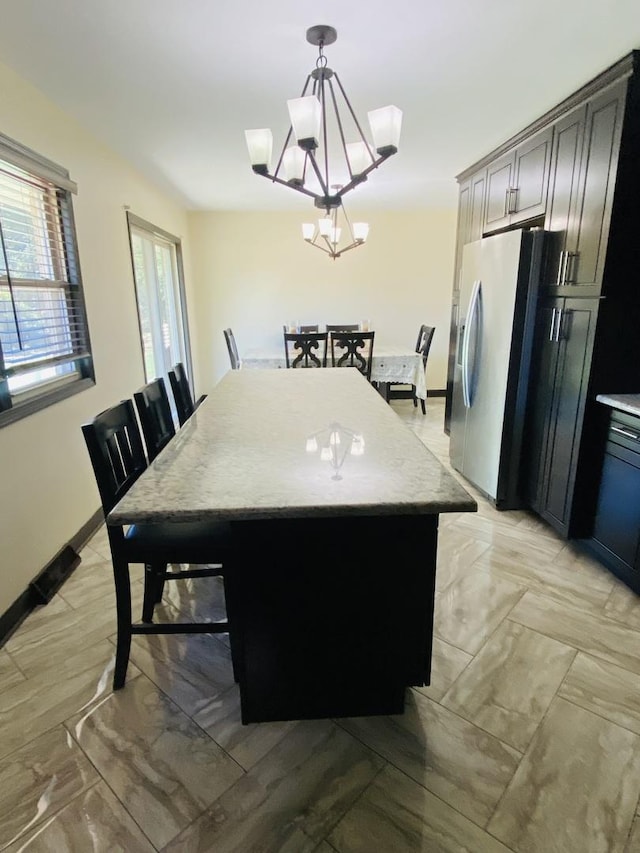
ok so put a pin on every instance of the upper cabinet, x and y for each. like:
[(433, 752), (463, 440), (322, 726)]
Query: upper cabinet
[(582, 183), (516, 184)]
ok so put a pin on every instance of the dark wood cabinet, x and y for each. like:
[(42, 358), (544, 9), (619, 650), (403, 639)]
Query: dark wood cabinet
[(517, 183), (577, 174), (563, 345), (470, 218), (616, 528), (583, 169)]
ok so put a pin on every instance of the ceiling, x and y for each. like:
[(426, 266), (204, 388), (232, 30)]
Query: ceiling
[(172, 84)]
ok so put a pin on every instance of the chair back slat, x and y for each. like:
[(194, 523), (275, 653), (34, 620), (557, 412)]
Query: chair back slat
[(353, 349), (154, 411), (424, 342), (181, 393), (305, 350), (342, 327), (116, 452)]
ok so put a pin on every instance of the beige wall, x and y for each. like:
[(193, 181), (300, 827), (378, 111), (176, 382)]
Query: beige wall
[(253, 272), (47, 489)]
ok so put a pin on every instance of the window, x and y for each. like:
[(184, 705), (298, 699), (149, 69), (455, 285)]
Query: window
[(44, 341), (157, 271)]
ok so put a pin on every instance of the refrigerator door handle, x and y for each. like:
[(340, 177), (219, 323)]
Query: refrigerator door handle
[(471, 319), (552, 328)]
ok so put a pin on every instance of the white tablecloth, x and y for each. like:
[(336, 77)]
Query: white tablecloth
[(390, 364)]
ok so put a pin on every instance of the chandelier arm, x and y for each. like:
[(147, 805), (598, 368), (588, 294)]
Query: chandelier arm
[(346, 248), (348, 221), (339, 123), (363, 176), (323, 107), (277, 180), (316, 169), (322, 248), (354, 117)]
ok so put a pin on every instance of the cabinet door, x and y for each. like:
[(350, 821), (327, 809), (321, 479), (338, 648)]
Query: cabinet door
[(587, 243), (617, 521), (478, 184), (540, 402), (573, 337), (517, 183), (470, 220), (499, 182), (528, 195), (464, 211), (564, 187)]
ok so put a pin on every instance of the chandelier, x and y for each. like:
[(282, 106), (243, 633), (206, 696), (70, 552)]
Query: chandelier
[(327, 233), (303, 164)]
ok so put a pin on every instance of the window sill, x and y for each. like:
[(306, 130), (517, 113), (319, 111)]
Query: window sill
[(43, 401)]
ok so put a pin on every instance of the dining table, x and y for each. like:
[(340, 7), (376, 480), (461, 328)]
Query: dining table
[(390, 365), (333, 506)]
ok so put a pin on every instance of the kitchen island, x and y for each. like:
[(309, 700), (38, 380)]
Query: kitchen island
[(333, 504)]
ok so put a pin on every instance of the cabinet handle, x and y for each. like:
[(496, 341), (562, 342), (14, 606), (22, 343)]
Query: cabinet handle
[(627, 433), (512, 193), (559, 325), (568, 267), (560, 265), (553, 325)]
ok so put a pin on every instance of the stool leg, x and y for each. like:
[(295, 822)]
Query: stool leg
[(149, 600), (123, 609)]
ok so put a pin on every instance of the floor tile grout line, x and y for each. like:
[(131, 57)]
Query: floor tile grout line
[(415, 781), (47, 818)]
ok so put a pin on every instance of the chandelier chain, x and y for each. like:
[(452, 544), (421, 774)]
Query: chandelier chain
[(321, 61)]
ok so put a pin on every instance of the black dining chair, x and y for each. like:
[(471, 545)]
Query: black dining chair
[(117, 456), (314, 327), (179, 382), (154, 411), (353, 349), (395, 391), (232, 349), (342, 327), (305, 350)]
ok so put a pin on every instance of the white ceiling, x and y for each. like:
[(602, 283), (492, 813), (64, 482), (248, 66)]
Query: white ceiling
[(172, 84)]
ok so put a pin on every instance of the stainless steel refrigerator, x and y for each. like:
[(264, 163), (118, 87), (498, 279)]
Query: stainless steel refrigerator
[(499, 283)]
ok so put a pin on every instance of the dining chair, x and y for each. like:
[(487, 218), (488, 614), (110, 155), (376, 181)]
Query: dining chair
[(154, 411), (232, 349), (353, 349), (395, 391), (179, 382), (117, 456), (342, 327), (314, 327), (305, 350)]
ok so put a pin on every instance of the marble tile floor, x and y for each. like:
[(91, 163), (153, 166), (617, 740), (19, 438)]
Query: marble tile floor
[(527, 739)]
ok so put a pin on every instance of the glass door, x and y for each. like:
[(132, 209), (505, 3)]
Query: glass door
[(157, 271)]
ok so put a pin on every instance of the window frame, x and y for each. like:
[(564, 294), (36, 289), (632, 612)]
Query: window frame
[(15, 406)]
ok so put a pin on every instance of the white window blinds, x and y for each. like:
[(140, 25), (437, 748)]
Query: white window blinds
[(44, 343)]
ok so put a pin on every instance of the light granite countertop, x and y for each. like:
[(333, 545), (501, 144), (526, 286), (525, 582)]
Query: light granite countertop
[(624, 402), (253, 450)]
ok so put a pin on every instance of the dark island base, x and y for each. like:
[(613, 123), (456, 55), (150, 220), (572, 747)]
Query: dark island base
[(332, 617)]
